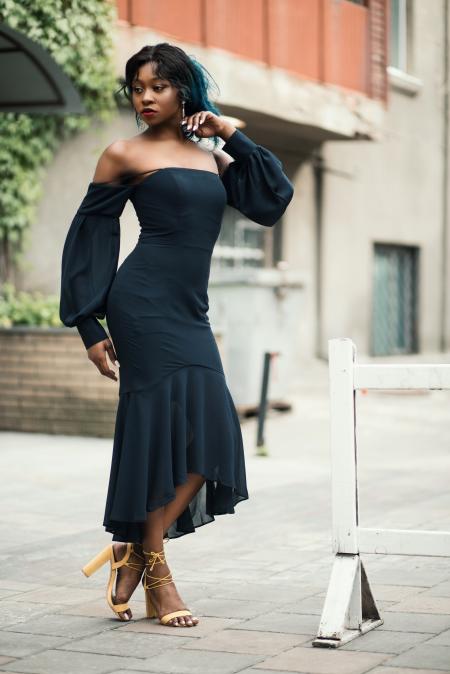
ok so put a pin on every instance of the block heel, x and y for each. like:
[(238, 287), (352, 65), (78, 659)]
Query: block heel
[(132, 559)]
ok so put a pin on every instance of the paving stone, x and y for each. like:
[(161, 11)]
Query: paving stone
[(401, 670), (56, 662), (185, 661), (60, 595), (424, 604), (240, 641), (119, 642), (396, 576), (256, 670), (414, 622), (63, 625), (16, 645), (13, 613), (275, 621), (100, 609), (18, 586), (394, 592), (377, 641), (229, 608), (323, 661), (5, 594), (265, 592), (204, 627), (439, 590), (433, 657), (311, 605), (441, 640), (137, 671)]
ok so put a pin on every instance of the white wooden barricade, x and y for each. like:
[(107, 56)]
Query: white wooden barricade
[(350, 609)]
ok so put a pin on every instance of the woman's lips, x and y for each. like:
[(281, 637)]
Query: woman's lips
[(149, 112)]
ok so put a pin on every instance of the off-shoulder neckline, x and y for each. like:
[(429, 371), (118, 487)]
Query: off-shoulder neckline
[(152, 172)]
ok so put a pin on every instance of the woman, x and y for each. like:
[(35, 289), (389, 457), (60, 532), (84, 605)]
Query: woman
[(178, 456)]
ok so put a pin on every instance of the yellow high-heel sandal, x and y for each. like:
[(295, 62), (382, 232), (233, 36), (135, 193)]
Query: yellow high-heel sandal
[(132, 559), (157, 582)]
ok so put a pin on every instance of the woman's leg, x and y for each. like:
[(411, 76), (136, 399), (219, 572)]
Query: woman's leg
[(185, 494), (158, 521)]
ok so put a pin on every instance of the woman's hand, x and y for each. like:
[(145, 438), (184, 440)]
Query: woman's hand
[(97, 354), (206, 124)]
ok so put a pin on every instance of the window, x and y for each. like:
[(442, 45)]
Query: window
[(242, 242), (400, 35), (395, 290)]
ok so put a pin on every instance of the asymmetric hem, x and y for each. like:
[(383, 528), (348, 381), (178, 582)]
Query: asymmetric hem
[(185, 424)]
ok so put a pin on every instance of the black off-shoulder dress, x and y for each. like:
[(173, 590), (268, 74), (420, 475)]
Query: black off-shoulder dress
[(175, 413)]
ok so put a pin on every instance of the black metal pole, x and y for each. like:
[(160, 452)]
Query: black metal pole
[(261, 449)]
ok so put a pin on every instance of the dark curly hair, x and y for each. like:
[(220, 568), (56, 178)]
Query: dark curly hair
[(184, 72)]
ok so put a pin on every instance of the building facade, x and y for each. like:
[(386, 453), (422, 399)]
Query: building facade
[(352, 95)]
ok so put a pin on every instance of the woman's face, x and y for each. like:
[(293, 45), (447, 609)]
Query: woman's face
[(149, 91)]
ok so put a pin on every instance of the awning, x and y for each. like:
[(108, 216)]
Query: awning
[(31, 81)]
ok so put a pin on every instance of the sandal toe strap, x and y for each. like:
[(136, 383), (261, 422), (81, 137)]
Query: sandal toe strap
[(175, 614), (119, 608)]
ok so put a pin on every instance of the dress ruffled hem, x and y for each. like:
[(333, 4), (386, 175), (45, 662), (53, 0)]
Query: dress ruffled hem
[(186, 424)]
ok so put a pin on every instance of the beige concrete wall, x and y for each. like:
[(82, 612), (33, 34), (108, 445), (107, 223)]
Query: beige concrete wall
[(299, 251), (388, 191), (64, 187)]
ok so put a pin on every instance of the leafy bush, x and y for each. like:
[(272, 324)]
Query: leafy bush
[(18, 307), (78, 34)]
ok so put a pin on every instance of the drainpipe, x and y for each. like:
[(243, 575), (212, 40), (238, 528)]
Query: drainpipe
[(318, 172), (445, 176)]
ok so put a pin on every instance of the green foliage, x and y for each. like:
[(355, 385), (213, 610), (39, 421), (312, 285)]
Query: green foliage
[(23, 308), (18, 307), (78, 35)]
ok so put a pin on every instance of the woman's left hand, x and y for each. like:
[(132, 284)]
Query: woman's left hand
[(206, 124)]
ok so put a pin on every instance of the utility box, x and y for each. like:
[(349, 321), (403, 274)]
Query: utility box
[(257, 310)]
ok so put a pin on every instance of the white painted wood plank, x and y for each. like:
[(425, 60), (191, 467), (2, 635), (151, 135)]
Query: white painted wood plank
[(342, 444), (404, 542), (340, 590), (416, 376)]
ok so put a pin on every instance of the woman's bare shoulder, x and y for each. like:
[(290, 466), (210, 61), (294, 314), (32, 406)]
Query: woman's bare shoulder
[(113, 162)]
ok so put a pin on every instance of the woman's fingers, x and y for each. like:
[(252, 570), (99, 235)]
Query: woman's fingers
[(104, 368), (192, 122), (111, 353), (97, 354)]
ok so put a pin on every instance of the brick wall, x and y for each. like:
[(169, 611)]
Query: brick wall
[(378, 29), (48, 385)]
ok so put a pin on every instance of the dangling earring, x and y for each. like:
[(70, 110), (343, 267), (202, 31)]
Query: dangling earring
[(183, 113)]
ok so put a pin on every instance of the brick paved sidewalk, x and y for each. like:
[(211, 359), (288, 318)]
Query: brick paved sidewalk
[(256, 579)]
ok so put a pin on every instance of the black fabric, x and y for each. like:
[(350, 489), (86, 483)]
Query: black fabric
[(175, 413)]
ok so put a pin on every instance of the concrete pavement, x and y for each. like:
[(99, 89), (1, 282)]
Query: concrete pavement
[(256, 579)]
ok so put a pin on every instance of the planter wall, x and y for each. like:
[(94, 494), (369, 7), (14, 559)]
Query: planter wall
[(48, 384)]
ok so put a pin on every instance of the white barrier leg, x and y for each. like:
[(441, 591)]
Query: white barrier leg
[(349, 608)]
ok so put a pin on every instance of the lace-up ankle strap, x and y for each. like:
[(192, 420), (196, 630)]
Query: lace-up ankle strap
[(155, 557), (155, 581)]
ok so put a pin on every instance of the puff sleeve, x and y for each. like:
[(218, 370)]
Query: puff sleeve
[(255, 182), (90, 258)]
